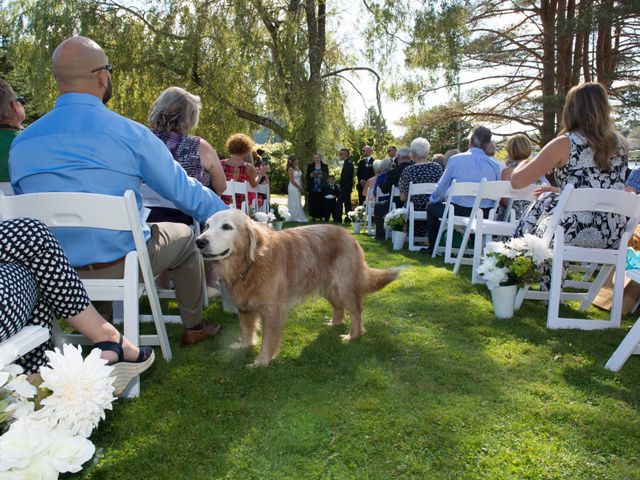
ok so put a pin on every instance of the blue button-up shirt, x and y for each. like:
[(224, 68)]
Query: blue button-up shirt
[(81, 146), (470, 166)]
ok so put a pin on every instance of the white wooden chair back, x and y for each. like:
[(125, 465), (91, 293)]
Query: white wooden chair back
[(6, 188), (87, 210), (263, 189), (230, 192), (242, 189), (589, 200), (449, 220), (414, 215)]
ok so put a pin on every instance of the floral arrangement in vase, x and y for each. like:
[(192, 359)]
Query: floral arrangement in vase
[(359, 215), (280, 213), (515, 262), (46, 428), (263, 217), (396, 220)]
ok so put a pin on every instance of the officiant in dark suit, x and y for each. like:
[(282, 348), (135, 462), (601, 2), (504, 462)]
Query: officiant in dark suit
[(317, 176), (346, 184), (365, 172)]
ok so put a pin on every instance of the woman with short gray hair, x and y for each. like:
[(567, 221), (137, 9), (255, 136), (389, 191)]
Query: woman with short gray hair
[(422, 171)]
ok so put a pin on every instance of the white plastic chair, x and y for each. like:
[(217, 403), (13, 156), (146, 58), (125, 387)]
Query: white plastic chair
[(242, 189), (588, 200), (630, 344), (450, 220), (230, 192), (24, 341), (395, 193), (485, 228), (370, 204), (64, 209), (6, 188), (150, 199), (417, 215)]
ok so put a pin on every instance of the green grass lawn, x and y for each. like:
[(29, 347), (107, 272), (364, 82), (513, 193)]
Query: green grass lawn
[(437, 388)]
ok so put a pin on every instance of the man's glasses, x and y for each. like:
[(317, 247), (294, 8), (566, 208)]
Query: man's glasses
[(107, 67), (21, 101)]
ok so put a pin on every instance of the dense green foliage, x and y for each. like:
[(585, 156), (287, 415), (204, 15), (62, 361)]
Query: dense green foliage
[(437, 388)]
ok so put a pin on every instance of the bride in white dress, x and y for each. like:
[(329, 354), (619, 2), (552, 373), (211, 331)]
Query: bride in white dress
[(294, 202)]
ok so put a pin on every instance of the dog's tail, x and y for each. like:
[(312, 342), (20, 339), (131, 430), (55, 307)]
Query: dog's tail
[(379, 278)]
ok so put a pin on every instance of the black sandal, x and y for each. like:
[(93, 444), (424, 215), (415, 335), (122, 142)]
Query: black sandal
[(123, 370)]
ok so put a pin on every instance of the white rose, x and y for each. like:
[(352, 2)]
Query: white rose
[(67, 453), (40, 469), (18, 447)]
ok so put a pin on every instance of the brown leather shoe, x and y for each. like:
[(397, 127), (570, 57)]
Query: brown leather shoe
[(191, 337)]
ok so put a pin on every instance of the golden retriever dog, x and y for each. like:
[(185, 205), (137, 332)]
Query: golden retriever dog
[(267, 272)]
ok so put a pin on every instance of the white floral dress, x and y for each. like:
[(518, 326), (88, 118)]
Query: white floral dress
[(581, 229)]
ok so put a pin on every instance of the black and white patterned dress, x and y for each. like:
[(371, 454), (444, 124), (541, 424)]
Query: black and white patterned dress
[(581, 229), (429, 172), (37, 282)]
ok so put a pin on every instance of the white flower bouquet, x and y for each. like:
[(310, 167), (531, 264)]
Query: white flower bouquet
[(280, 213), (359, 215), (396, 220), (263, 217), (515, 262), (46, 428)]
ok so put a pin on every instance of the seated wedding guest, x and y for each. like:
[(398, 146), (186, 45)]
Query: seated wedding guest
[(11, 117), (316, 177), (439, 159), (587, 153), (332, 194), (237, 168), (422, 171), (470, 166), (32, 267), (633, 181), (518, 150), (172, 116), (380, 169), (490, 149), (263, 169), (392, 179), (106, 153), (448, 154)]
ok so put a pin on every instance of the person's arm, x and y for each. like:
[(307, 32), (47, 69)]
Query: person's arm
[(292, 179), (554, 154), (445, 181), (251, 175), (164, 175), (211, 163)]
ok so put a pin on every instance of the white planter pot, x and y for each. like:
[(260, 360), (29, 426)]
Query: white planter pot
[(397, 239), (277, 225), (504, 300), (356, 228)]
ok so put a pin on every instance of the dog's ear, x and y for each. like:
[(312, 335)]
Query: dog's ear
[(257, 239)]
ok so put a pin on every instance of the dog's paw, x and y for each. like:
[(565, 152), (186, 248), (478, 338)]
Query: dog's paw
[(257, 364), (331, 323), (345, 338), (238, 346)]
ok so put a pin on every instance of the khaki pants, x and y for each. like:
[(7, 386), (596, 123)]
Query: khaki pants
[(171, 247)]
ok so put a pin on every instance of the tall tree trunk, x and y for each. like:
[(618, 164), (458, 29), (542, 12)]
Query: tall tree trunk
[(547, 12)]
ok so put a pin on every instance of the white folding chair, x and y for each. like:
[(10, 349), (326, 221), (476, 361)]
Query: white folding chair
[(370, 206), (150, 199), (230, 192), (242, 189), (485, 228), (588, 200), (450, 220), (23, 342), (6, 188), (86, 210), (630, 344), (263, 189), (395, 193), (417, 215)]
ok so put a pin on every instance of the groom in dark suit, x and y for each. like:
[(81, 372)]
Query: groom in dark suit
[(365, 172)]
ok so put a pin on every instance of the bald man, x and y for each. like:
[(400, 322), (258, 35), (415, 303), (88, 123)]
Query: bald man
[(81, 146), (364, 172)]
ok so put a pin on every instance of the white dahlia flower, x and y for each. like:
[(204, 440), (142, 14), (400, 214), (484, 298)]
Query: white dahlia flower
[(82, 390)]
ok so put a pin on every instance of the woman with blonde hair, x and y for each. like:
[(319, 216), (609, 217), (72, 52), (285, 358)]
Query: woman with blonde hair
[(587, 153), (173, 115)]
